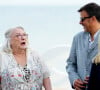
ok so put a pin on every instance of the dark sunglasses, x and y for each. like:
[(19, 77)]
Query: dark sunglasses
[(83, 18)]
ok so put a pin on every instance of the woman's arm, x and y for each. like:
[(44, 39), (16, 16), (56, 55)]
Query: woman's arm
[(47, 84)]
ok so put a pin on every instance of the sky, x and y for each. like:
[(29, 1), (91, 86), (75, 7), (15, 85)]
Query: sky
[(47, 26), (45, 2)]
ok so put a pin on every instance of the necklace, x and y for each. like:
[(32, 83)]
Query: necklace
[(26, 73)]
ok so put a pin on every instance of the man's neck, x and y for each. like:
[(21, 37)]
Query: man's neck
[(93, 33)]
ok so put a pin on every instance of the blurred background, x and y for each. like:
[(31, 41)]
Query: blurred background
[(51, 25)]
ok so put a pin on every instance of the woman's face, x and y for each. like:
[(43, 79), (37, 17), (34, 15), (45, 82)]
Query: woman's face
[(19, 39)]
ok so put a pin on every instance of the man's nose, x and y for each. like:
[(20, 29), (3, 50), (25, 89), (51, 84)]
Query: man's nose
[(80, 22)]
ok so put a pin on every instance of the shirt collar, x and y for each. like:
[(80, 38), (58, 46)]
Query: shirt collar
[(95, 35)]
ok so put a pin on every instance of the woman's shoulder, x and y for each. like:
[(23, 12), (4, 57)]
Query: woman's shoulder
[(34, 54), (37, 57)]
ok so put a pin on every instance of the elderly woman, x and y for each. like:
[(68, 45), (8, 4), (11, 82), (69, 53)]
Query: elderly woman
[(20, 67)]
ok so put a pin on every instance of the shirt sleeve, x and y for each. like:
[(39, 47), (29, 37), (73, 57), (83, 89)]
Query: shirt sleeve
[(44, 68), (71, 66)]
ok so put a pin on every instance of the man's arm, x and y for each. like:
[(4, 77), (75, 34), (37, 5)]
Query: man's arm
[(72, 63)]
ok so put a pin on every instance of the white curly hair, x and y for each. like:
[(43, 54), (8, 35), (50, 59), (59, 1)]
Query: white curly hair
[(7, 47)]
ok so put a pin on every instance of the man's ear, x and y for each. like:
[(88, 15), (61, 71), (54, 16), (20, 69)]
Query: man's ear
[(93, 18)]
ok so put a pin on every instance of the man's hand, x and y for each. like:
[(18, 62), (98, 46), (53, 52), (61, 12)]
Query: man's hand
[(79, 84)]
